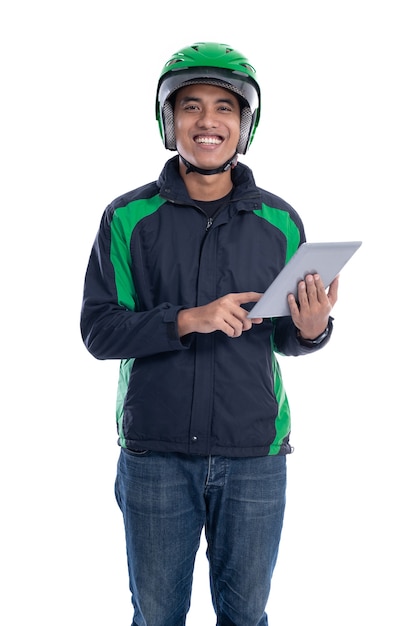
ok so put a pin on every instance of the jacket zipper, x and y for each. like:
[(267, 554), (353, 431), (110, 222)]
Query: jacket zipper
[(211, 219)]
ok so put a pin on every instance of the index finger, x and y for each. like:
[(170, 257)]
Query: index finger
[(247, 296)]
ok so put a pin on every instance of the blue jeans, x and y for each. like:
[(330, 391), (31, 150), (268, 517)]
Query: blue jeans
[(166, 501)]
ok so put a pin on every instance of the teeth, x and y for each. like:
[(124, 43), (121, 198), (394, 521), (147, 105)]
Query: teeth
[(212, 140)]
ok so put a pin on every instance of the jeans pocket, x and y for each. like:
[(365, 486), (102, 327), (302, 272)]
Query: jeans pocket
[(136, 452)]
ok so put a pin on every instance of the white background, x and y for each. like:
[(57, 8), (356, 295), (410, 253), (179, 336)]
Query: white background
[(337, 140)]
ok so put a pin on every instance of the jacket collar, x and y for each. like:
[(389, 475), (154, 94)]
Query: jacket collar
[(172, 186)]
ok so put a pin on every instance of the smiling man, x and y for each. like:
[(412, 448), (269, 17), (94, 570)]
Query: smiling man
[(202, 416), (207, 130)]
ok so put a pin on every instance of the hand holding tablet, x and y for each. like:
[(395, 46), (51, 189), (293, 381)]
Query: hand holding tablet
[(326, 259)]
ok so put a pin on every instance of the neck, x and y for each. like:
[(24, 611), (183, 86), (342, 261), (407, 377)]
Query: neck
[(206, 188)]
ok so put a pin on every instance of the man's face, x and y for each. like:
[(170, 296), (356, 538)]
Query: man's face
[(207, 125)]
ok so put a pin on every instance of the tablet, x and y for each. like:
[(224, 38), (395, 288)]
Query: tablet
[(326, 259)]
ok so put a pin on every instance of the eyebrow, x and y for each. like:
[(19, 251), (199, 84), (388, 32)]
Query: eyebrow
[(186, 99)]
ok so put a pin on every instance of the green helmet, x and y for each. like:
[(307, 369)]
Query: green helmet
[(213, 64)]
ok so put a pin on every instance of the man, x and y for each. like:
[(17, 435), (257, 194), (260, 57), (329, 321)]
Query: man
[(202, 416)]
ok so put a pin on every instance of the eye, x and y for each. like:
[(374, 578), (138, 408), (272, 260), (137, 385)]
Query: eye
[(191, 106)]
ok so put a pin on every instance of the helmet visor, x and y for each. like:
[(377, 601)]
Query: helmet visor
[(236, 82)]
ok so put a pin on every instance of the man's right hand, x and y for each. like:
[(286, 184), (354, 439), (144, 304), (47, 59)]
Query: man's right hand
[(225, 314)]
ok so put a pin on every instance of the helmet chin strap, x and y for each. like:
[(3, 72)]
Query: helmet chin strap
[(231, 163)]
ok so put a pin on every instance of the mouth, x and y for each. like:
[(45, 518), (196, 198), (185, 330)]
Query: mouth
[(208, 140)]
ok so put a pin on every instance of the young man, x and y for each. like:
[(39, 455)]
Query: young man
[(203, 419)]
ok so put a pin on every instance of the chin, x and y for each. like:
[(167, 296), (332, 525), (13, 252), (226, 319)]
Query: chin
[(210, 163)]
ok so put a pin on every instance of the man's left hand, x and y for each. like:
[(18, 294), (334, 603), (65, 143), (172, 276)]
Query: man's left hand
[(311, 313)]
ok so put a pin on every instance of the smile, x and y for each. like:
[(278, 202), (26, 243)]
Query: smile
[(208, 140)]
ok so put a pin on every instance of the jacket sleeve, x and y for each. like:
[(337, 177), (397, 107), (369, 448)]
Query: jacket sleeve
[(286, 341), (112, 327)]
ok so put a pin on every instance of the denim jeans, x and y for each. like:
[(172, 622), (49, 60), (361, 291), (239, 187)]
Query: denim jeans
[(166, 501)]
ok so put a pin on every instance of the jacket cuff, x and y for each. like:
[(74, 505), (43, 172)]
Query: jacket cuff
[(319, 341)]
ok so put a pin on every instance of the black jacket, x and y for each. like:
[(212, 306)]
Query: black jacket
[(156, 253)]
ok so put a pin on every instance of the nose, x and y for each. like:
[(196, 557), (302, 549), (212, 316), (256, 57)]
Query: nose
[(207, 118)]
